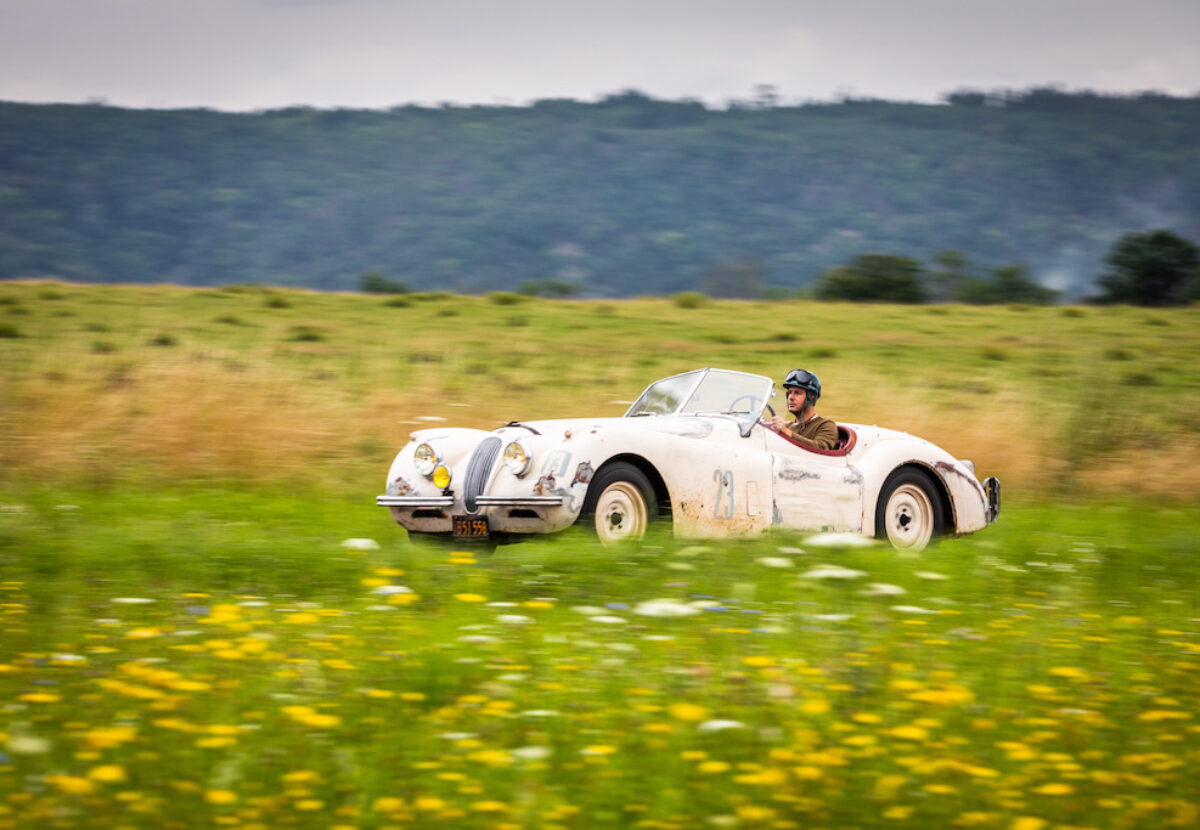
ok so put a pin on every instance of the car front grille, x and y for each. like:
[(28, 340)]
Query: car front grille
[(478, 471)]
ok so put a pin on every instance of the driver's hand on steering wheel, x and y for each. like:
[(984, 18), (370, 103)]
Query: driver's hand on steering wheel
[(776, 421)]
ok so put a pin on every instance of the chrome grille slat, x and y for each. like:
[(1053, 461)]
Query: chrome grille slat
[(479, 469)]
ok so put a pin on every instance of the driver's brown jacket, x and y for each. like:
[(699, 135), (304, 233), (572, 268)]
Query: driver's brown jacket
[(819, 433)]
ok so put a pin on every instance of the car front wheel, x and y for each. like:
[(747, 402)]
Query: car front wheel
[(620, 504), (909, 513)]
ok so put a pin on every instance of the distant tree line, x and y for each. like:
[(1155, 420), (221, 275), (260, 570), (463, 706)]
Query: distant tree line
[(1155, 268), (624, 196)]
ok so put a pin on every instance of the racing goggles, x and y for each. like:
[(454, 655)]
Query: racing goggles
[(803, 379)]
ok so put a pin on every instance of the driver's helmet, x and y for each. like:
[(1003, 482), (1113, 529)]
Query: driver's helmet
[(805, 380)]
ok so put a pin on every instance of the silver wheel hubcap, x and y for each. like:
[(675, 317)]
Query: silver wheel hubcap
[(621, 514), (909, 518)]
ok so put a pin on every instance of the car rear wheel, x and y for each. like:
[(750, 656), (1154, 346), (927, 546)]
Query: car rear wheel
[(620, 504), (909, 513)]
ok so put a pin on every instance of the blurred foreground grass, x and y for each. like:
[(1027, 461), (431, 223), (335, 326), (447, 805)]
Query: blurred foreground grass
[(211, 658)]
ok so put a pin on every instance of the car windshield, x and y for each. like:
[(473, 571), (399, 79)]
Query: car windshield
[(704, 390)]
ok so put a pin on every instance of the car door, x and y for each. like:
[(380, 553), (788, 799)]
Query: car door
[(813, 490)]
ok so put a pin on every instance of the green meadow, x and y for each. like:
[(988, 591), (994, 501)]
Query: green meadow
[(205, 620)]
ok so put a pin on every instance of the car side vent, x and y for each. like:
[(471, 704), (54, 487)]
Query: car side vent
[(478, 471)]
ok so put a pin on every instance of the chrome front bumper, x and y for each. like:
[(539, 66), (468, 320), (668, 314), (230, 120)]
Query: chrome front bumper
[(481, 501)]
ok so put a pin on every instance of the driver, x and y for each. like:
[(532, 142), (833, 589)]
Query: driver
[(809, 428)]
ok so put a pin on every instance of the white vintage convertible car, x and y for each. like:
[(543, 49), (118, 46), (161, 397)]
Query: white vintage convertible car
[(693, 451)]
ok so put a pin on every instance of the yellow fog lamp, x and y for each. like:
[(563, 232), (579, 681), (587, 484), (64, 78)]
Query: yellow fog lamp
[(516, 458), (425, 458), (441, 476)]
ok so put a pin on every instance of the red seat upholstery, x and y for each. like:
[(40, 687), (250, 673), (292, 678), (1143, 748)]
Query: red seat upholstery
[(846, 441)]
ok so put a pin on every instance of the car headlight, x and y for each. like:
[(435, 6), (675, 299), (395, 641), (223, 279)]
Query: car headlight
[(425, 458), (441, 476), (517, 458)]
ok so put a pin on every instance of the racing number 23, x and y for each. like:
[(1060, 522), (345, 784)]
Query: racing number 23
[(723, 506)]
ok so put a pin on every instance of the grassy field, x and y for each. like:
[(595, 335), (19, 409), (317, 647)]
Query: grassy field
[(193, 633), (115, 384)]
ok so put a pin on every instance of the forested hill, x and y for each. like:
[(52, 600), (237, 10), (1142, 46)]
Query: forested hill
[(628, 195)]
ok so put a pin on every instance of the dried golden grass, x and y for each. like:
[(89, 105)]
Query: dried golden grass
[(247, 402)]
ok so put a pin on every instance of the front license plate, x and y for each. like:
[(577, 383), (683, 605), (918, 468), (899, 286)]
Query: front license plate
[(469, 527)]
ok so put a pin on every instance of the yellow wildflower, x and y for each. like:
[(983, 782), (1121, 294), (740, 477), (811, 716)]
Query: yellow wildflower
[(753, 813), (1027, 823), (470, 598), (948, 696), (688, 712), (815, 706), (489, 807), (72, 784), (217, 742), (1163, 714), (388, 804), (40, 697), (1069, 672), (104, 737), (220, 797)]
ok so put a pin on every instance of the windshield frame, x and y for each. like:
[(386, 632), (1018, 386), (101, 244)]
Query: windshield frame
[(763, 386)]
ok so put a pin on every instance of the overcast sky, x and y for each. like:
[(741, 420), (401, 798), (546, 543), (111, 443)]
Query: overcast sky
[(260, 54)]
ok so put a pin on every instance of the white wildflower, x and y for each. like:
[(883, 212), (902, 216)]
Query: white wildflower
[(720, 725), (532, 753), (831, 572), (774, 562), (28, 745), (360, 544), (665, 608), (883, 589)]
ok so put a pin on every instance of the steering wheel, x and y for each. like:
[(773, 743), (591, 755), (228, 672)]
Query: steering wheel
[(753, 403)]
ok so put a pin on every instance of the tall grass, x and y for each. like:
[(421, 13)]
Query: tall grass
[(1095, 401)]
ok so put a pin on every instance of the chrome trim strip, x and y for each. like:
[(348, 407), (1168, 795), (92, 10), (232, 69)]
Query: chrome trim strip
[(526, 501), (414, 501)]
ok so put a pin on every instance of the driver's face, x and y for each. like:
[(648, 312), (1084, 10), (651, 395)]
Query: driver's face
[(796, 399)]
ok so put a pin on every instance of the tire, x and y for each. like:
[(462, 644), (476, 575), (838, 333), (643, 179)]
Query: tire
[(909, 513), (620, 504)]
